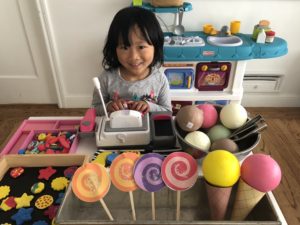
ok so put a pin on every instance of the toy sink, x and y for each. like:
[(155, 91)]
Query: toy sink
[(228, 41)]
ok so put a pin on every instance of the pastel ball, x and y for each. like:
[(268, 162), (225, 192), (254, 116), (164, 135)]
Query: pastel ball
[(210, 115), (261, 172), (198, 139), (221, 168), (189, 118), (218, 132), (225, 144), (233, 115)]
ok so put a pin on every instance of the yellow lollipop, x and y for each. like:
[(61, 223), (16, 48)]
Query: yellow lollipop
[(221, 168)]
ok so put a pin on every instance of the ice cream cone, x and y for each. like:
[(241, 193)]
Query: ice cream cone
[(218, 198), (246, 198)]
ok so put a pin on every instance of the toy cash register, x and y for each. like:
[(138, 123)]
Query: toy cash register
[(132, 129)]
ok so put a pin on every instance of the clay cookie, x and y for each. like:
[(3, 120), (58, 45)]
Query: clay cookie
[(37, 187), (44, 201)]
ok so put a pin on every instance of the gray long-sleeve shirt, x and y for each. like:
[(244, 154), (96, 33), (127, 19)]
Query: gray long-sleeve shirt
[(154, 89)]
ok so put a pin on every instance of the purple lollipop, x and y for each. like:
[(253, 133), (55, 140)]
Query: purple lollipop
[(147, 172)]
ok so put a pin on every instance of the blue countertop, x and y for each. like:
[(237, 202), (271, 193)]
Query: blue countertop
[(247, 51)]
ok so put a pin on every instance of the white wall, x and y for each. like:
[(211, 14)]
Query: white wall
[(76, 31), (25, 73)]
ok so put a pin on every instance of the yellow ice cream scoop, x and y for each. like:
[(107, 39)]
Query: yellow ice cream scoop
[(221, 168)]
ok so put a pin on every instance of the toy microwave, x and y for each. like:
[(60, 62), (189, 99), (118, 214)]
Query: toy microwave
[(212, 76), (180, 78)]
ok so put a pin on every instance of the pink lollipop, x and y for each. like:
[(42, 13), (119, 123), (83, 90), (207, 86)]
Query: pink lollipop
[(179, 172)]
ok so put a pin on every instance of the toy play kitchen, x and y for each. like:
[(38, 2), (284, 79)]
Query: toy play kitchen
[(210, 66), (201, 66)]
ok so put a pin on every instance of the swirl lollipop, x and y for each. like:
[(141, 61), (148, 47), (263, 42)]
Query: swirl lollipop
[(91, 183), (147, 175), (121, 173), (179, 172)]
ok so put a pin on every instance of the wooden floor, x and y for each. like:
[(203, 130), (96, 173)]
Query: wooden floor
[(281, 140)]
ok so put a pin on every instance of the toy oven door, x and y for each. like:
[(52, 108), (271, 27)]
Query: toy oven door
[(180, 78), (212, 76)]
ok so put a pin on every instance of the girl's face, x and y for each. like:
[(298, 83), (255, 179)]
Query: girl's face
[(136, 58)]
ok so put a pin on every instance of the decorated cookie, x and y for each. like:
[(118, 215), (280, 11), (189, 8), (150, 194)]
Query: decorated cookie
[(51, 211), (16, 172), (22, 215), (70, 171), (8, 203), (46, 173), (37, 187), (23, 201), (4, 191), (60, 198), (44, 201), (59, 183)]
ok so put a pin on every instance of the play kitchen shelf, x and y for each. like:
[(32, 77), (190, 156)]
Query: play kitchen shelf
[(184, 52), (181, 57)]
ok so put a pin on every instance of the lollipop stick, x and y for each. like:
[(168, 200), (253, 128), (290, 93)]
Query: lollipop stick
[(178, 206), (106, 209), (153, 205), (132, 205)]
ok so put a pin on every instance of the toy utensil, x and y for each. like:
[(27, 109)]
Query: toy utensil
[(179, 28), (253, 126), (98, 87)]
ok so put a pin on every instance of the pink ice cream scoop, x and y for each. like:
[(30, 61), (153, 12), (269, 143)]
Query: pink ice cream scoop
[(261, 172), (210, 115)]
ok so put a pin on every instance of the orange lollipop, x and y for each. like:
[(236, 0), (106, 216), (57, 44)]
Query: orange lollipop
[(121, 173), (91, 183)]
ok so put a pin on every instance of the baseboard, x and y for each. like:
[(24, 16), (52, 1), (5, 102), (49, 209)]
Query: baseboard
[(249, 100), (27, 100), (77, 101), (267, 100)]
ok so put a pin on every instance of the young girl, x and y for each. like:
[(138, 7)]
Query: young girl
[(132, 53)]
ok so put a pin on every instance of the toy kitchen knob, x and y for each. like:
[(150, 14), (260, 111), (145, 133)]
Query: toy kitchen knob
[(121, 138)]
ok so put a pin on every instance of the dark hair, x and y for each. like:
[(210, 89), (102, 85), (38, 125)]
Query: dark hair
[(122, 22)]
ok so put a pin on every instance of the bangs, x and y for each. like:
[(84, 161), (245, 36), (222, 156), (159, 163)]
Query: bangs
[(123, 35)]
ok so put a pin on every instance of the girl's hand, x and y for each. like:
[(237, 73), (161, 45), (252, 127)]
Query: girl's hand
[(141, 106), (117, 105)]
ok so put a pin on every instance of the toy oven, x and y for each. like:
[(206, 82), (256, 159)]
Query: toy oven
[(180, 78), (212, 76)]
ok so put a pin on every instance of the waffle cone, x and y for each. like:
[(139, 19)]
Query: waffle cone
[(218, 198), (246, 198)]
